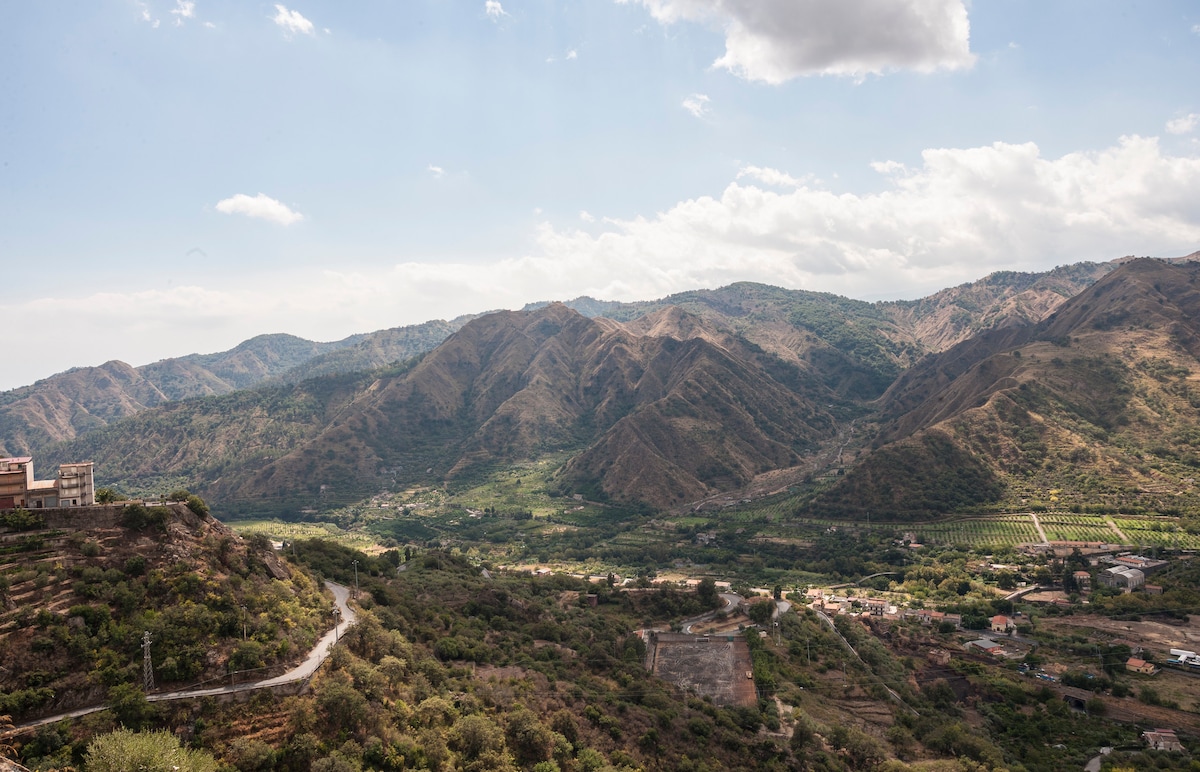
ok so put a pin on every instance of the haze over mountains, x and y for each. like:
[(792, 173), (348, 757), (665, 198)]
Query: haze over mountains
[(1078, 381)]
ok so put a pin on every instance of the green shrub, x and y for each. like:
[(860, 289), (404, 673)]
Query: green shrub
[(158, 751), (22, 520)]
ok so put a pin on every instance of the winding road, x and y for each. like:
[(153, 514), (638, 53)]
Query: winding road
[(732, 599), (301, 672)]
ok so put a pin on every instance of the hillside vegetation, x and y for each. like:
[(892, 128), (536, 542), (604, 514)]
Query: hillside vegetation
[(79, 591)]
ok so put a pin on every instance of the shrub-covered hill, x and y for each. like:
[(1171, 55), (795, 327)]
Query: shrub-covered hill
[(80, 590), (455, 668)]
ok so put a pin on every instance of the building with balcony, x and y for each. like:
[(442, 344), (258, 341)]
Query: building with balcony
[(73, 487)]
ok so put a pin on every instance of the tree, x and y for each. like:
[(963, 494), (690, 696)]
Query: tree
[(760, 613), (129, 704), (157, 751), (22, 520), (197, 505), (476, 736), (707, 592), (340, 704), (530, 740), (250, 755), (108, 496)]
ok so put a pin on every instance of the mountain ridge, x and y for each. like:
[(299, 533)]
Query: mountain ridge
[(1095, 403), (670, 403)]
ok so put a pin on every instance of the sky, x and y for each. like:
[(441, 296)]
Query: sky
[(177, 176)]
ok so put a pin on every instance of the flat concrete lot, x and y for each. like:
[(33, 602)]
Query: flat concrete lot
[(707, 666)]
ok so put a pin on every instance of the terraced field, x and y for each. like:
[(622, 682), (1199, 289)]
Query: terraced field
[(1157, 532), (996, 531), (1068, 527), (993, 532)]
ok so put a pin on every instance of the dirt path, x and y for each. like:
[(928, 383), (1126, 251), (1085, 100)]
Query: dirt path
[(1038, 525), (1120, 535)]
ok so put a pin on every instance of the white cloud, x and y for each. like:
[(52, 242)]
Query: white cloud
[(148, 17), (494, 10), (1196, 28), (184, 9), (697, 105), (437, 171), (959, 215), (769, 176), (572, 55), (586, 216), (292, 21), (777, 40), (261, 206), (956, 215), (1185, 125)]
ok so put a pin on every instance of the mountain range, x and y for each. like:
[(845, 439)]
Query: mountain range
[(1071, 387)]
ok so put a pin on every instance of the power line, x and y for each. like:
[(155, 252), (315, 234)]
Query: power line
[(147, 665)]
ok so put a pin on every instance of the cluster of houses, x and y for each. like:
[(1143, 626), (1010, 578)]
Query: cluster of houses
[(878, 607), (74, 486)]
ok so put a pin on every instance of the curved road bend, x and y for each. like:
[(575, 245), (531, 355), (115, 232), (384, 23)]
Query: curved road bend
[(304, 670), (732, 599)]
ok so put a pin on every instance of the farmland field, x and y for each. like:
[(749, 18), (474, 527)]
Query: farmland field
[(1157, 532), (995, 531), (281, 531), (1071, 527)]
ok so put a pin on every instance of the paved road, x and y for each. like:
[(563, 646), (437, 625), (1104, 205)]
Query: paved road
[(303, 671), (732, 599)]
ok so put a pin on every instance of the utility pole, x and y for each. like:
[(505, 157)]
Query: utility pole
[(355, 579), (336, 614), (243, 622), (147, 665)]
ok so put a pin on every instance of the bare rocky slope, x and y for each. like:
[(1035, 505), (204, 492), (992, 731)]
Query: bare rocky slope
[(84, 399), (1095, 405), (514, 385), (669, 402), (857, 348)]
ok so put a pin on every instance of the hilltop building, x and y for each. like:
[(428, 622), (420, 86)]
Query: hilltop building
[(74, 486)]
